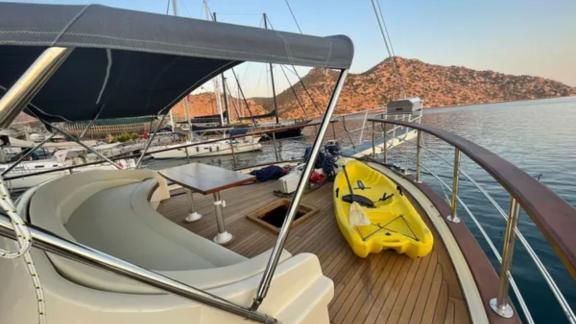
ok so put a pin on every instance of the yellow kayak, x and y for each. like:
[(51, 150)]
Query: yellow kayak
[(387, 218)]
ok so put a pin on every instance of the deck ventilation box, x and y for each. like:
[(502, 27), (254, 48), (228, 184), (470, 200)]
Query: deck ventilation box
[(405, 106), (272, 215)]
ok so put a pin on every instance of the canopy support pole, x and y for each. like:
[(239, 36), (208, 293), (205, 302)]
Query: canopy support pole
[(81, 253), (149, 142), (30, 82), (79, 142), (264, 285)]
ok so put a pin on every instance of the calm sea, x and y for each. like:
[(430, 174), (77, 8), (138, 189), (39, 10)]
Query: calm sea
[(540, 138), (537, 136)]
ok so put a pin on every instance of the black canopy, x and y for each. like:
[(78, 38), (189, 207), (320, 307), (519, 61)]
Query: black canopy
[(128, 63)]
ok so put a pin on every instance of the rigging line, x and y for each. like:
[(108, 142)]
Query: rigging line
[(293, 16), (306, 89), (293, 90), (234, 103), (318, 110), (168, 7), (243, 96), (381, 27), (211, 17), (385, 27), (388, 47), (31, 105)]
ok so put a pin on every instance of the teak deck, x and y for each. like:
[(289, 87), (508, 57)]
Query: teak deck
[(383, 288)]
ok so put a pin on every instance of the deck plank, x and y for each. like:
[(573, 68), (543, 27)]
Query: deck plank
[(382, 287)]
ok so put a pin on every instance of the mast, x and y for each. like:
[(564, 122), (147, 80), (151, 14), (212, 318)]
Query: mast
[(223, 82), (212, 17), (172, 126), (225, 94), (274, 103), (185, 100)]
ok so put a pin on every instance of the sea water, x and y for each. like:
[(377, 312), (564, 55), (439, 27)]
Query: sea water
[(537, 136)]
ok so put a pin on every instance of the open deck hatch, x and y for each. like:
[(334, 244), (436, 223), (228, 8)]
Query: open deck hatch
[(272, 215)]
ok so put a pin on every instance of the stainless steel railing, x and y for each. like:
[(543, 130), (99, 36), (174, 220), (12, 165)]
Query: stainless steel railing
[(499, 303), (558, 295)]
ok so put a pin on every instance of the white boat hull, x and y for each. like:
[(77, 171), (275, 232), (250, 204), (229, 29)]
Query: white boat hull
[(206, 150), (29, 167)]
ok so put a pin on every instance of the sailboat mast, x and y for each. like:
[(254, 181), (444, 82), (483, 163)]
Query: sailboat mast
[(185, 100), (223, 82), (212, 17), (225, 95), (274, 103), (172, 126)]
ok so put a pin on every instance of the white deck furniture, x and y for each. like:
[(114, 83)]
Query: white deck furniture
[(114, 212)]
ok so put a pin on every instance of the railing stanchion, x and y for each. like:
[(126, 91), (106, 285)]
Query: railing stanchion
[(187, 155), (373, 140), (333, 129), (384, 146), (500, 303), (234, 162), (361, 138), (276, 155), (453, 217), (418, 156)]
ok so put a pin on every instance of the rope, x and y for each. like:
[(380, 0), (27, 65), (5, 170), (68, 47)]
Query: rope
[(388, 42), (383, 227), (24, 243), (294, 68), (293, 16), (300, 104)]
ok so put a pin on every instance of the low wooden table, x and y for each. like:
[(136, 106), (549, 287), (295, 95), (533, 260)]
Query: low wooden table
[(207, 179)]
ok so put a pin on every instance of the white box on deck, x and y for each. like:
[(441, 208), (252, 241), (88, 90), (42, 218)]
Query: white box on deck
[(405, 106), (288, 183)]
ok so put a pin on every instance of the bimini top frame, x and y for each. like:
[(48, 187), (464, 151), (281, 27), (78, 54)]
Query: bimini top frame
[(136, 63), (140, 64)]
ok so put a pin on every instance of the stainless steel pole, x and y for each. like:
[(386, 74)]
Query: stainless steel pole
[(275, 255), (103, 157), (234, 162), (149, 142), (22, 157), (418, 156), (276, 155), (500, 304), (30, 82), (373, 140), (361, 138), (385, 144), (453, 217), (81, 253), (223, 236), (193, 215), (187, 116)]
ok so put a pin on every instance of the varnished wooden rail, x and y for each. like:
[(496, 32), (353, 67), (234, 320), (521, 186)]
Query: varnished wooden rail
[(555, 218)]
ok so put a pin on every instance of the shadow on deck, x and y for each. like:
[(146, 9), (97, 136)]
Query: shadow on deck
[(383, 288)]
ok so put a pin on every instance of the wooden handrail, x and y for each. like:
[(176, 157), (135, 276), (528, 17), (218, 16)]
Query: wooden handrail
[(555, 218)]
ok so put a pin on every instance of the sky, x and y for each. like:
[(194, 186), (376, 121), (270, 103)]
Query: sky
[(534, 37)]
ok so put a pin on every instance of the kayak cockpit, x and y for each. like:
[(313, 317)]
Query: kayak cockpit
[(390, 219)]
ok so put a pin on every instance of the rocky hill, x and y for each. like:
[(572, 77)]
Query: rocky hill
[(205, 104), (437, 85)]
